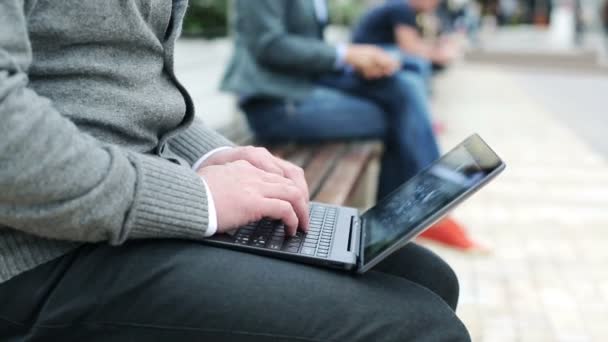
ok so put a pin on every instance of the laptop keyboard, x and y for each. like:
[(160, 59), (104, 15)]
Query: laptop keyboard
[(270, 234)]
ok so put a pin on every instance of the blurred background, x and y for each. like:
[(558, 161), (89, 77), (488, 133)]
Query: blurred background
[(533, 81)]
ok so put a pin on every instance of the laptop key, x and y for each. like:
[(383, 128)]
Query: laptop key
[(308, 251), (275, 245)]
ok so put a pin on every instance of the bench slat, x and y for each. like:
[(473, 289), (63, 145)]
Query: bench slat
[(339, 184), (321, 165), (332, 169), (281, 151), (303, 155)]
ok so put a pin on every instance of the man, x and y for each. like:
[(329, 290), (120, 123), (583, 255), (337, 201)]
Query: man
[(107, 182), (604, 17), (294, 86), (395, 26)]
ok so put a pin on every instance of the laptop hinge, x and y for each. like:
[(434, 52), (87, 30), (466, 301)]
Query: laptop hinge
[(361, 242), (350, 234)]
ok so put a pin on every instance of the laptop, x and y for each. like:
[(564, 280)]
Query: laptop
[(342, 237)]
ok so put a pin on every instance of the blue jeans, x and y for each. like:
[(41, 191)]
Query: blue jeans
[(345, 106), (411, 62)]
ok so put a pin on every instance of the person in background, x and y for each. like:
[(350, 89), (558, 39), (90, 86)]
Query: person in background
[(293, 86), (604, 16), (394, 27)]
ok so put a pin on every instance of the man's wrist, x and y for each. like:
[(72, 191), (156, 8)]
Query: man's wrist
[(340, 63), (207, 155), (212, 213)]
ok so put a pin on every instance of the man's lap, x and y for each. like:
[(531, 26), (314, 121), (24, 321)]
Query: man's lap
[(342, 106), (184, 289), (326, 114)]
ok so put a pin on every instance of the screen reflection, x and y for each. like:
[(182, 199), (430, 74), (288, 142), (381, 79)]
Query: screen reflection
[(401, 213)]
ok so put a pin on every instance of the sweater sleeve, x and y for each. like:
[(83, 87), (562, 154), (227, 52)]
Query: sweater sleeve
[(196, 141), (274, 46), (60, 183)]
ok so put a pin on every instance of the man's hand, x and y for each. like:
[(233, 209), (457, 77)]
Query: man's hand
[(444, 55), (244, 193), (371, 61), (447, 50), (264, 160)]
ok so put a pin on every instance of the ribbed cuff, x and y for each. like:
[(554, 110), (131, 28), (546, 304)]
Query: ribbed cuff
[(170, 201), (197, 140)]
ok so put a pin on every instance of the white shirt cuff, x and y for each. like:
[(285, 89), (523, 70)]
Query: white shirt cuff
[(340, 57), (212, 219), (202, 159)]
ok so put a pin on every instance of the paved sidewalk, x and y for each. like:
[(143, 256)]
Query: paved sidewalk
[(199, 65), (546, 217)]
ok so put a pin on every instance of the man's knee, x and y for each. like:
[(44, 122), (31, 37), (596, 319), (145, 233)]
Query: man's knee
[(420, 65), (442, 326), (422, 266), (422, 316), (411, 83), (448, 286)]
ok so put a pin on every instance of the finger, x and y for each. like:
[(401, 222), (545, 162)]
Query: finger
[(280, 210), (274, 178), (296, 174), (370, 73), (294, 196), (262, 159), (379, 69), (374, 74), (387, 65)]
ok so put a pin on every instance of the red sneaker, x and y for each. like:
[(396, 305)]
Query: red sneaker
[(438, 127), (451, 234)]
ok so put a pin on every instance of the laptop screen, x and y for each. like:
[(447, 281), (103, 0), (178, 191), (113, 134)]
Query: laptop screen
[(409, 209)]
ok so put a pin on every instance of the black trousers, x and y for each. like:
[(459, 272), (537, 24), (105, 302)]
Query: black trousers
[(169, 290)]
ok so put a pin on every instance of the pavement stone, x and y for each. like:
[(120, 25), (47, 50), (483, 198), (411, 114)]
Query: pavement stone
[(199, 65), (545, 217)]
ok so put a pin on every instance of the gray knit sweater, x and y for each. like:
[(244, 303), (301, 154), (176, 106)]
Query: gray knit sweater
[(96, 134)]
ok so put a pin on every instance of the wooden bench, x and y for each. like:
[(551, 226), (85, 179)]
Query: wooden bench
[(337, 172)]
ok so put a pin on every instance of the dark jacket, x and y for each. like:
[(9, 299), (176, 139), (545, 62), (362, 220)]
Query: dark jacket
[(278, 49)]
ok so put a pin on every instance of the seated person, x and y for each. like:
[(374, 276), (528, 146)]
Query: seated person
[(108, 183), (604, 16), (293, 86), (395, 26)]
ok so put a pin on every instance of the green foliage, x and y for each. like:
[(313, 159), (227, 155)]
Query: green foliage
[(206, 18), (346, 12), (209, 18)]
